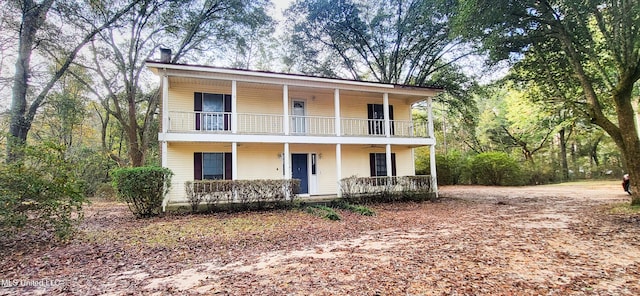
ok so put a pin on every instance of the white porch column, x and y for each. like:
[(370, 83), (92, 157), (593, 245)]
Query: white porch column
[(165, 128), (287, 161), (387, 122), (234, 108), (389, 165), (336, 108), (165, 117), (339, 168), (285, 109), (234, 161), (165, 103), (432, 148)]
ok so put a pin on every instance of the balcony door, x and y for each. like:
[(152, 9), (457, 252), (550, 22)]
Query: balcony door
[(375, 114), (298, 119), (212, 111)]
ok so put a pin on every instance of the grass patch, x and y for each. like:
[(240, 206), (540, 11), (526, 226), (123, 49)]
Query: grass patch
[(624, 208), (174, 232), (358, 209), (323, 212)]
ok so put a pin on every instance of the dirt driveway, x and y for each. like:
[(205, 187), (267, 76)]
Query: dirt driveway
[(544, 240)]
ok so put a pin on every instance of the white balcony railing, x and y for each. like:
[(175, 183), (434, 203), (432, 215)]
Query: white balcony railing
[(313, 125), (362, 127), (248, 123), (260, 123), (202, 121)]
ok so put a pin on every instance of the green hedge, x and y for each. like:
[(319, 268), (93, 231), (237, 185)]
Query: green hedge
[(39, 191), (143, 188), (495, 168)]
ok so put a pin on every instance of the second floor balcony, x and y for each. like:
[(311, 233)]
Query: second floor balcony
[(274, 124)]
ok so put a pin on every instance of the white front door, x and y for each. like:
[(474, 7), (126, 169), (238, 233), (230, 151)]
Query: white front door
[(298, 120)]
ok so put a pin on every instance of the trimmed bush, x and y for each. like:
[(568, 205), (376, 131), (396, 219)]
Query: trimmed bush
[(256, 193), (495, 168), (40, 192), (386, 189), (143, 188)]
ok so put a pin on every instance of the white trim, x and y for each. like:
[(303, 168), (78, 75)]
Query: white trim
[(165, 103), (285, 108), (338, 168), (389, 164), (165, 200), (290, 79), (432, 148), (293, 127), (265, 74), (234, 107), (336, 108), (234, 161), (312, 182), (385, 111), (241, 138), (287, 161)]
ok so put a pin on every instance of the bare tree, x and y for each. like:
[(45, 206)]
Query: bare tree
[(60, 40)]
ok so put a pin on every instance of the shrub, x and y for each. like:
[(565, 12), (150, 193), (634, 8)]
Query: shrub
[(495, 168), (92, 167), (323, 212), (143, 188), (362, 210), (40, 191), (450, 167), (535, 174), (386, 189), (105, 191), (249, 192)]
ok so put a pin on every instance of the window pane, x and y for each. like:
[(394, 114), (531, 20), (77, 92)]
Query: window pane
[(212, 106), (212, 166), (381, 164)]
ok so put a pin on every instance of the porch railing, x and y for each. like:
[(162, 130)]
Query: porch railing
[(369, 186), (313, 125), (260, 123), (251, 123)]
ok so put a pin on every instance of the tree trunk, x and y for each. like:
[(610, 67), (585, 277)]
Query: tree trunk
[(631, 142), (594, 151), (33, 17), (563, 155)]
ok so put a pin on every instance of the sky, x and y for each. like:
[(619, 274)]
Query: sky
[(280, 6)]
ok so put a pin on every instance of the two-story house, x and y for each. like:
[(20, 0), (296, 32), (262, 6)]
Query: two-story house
[(220, 123)]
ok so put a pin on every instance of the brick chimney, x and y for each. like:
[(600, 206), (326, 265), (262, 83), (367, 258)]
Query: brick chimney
[(165, 55)]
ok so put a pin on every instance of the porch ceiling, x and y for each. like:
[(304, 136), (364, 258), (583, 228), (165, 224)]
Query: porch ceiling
[(408, 98)]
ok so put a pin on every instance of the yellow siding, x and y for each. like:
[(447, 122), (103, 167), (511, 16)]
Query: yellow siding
[(260, 161), (258, 99), (355, 160), (181, 95), (356, 107), (263, 161)]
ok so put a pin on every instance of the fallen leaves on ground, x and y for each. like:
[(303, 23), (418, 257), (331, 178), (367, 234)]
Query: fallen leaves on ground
[(545, 240)]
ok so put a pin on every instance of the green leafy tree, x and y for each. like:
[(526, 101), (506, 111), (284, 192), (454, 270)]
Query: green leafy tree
[(402, 42), (598, 39), (59, 40), (192, 29)]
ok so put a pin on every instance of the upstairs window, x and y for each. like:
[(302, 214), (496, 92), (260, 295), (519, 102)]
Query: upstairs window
[(212, 111)]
